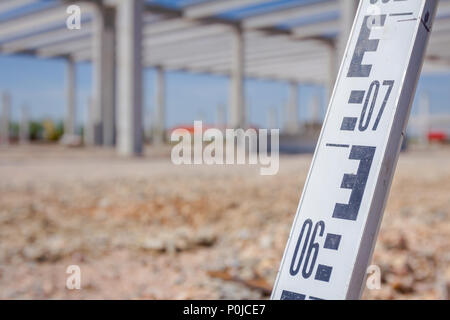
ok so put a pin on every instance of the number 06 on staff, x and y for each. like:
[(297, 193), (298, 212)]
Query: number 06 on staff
[(340, 211)]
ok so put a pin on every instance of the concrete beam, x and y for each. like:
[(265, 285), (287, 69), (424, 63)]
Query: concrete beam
[(7, 5), (213, 8), (187, 35), (37, 21), (129, 78), (295, 63), (316, 29), (221, 55), (194, 51), (61, 49), (170, 25), (214, 44), (301, 58), (33, 41), (316, 77), (437, 67), (298, 12), (185, 52), (257, 62), (302, 68), (291, 71)]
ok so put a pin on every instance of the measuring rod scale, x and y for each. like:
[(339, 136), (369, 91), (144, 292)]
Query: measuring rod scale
[(340, 211)]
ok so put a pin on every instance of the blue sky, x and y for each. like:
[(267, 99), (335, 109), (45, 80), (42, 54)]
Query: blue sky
[(40, 84)]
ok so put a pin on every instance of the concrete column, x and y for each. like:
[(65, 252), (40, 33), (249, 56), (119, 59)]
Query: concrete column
[(314, 109), (103, 67), (237, 107), (88, 134), (291, 114), (160, 110), (220, 117), (69, 123), (129, 77), (348, 13), (333, 67), (248, 111), (272, 118), (148, 123), (424, 118), (337, 48), (6, 113), (24, 129)]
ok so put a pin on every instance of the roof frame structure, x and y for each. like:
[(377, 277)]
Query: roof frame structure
[(199, 31)]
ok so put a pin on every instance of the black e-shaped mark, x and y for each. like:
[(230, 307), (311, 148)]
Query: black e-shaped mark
[(355, 182), (363, 45)]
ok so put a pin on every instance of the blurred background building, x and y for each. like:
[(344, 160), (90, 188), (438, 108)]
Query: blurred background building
[(119, 76)]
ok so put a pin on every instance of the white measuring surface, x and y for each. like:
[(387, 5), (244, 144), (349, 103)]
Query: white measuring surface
[(339, 214)]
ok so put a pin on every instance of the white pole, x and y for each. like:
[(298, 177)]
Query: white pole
[(129, 78), (237, 107), (4, 126)]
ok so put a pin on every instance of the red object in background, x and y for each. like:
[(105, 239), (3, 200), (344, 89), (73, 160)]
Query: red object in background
[(191, 128), (437, 136)]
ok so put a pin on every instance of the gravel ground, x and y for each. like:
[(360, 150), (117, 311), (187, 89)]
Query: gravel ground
[(146, 229)]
